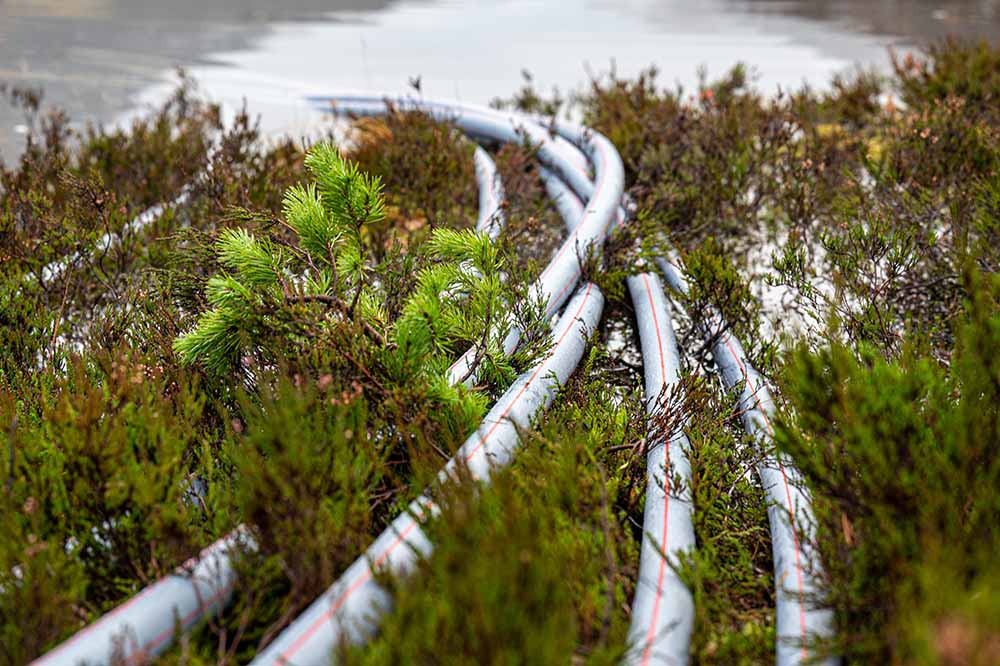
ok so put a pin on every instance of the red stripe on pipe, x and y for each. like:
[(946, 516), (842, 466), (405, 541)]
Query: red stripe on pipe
[(534, 375), (573, 234), (193, 615), (666, 495)]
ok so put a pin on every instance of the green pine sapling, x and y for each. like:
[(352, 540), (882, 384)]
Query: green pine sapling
[(458, 286)]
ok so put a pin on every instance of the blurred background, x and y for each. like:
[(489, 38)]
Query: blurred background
[(103, 60)]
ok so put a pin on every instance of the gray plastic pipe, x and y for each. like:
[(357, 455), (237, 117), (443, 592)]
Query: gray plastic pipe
[(146, 624), (795, 568), (560, 276), (789, 508), (345, 612), (350, 609), (568, 205), (663, 608), (491, 195), (55, 269)]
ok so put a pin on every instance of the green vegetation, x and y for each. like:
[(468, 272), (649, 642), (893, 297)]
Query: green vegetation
[(878, 201), (497, 589), (271, 351)]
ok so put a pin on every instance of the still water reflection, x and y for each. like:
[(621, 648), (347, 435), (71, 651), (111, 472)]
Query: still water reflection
[(100, 58)]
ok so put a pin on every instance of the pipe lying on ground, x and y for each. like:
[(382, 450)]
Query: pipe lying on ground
[(491, 195), (793, 567), (398, 546), (56, 268), (663, 608), (147, 623), (349, 610), (346, 612), (789, 508), (560, 276), (139, 617), (568, 205)]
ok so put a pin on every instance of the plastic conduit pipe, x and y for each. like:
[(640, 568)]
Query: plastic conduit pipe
[(348, 610), (662, 609), (146, 624), (205, 584), (491, 195), (567, 203), (789, 507), (55, 269), (560, 276)]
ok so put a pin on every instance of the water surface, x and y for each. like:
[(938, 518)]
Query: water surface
[(100, 59)]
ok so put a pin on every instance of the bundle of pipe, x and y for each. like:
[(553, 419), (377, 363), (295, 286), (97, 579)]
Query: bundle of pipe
[(789, 510), (558, 154), (796, 570), (146, 623), (349, 610), (661, 628)]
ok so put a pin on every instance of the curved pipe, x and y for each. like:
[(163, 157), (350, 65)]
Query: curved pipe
[(789, 508), (349, 610), (345, 612), (782, 482), (55, 269), (560, 276), (568, 205), (147, 623), (185, 593)]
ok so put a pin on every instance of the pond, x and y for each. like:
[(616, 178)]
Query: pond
[(100, 59)]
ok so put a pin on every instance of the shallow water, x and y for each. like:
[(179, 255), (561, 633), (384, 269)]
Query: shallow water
[(104, 59)]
